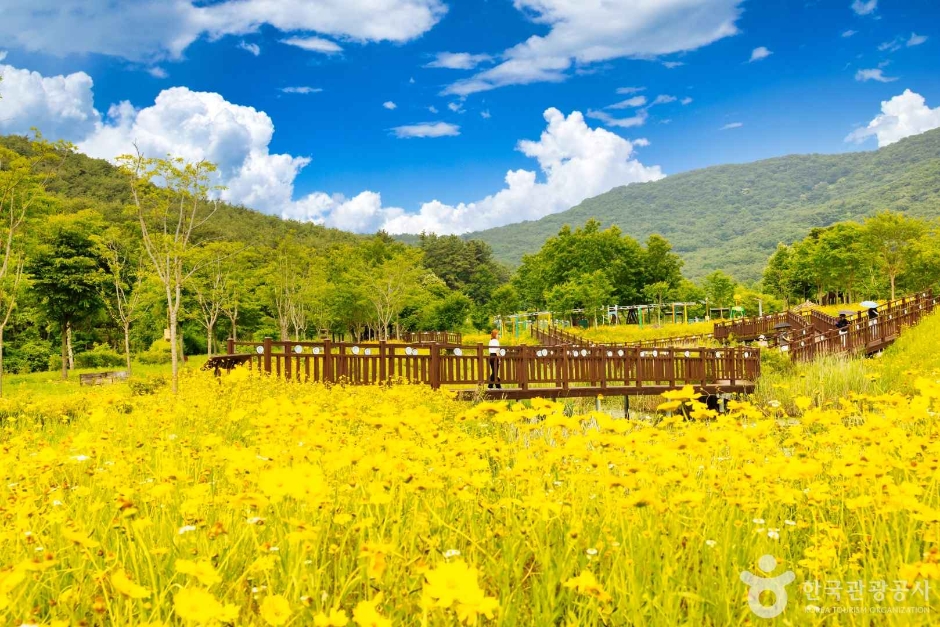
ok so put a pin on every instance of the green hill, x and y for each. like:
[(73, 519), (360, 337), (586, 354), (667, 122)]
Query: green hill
[(82, 182), (732, 217)]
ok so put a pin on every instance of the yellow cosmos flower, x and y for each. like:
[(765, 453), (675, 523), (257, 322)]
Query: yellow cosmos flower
[(128, 588), (366, 615), (275, 610), (201, 570), (197, 606), (336, 618), (586, 584)]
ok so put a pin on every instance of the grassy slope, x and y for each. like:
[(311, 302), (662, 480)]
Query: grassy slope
[(732, 217), (51, 383)]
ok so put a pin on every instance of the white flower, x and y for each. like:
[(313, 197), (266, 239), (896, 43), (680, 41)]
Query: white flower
[(710, 543), (449, 553), (773, 534), (592, 551), (186, 529), (789, 523), (758, 521), (274, 549), (81, 458), (774, 404), (255, 520)]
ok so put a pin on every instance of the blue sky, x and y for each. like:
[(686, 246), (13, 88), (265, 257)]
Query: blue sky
[(336, 153)]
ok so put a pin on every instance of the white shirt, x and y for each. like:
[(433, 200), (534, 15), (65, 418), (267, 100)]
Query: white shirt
[(494, 346)]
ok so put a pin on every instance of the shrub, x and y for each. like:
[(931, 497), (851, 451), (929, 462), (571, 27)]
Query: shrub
[(158, 353), (32, 356), (101, 356)]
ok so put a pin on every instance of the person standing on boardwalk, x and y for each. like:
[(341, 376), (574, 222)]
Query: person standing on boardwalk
[(494, 360)]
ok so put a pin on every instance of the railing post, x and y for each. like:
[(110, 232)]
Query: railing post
[(327, 361), (267, 355), (288, 355), (230, 347), (435, 373), (524, 367), (383, 367), (481, 363)]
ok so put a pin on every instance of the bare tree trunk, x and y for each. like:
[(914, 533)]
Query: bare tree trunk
[(69, 344), (174, 351), (127, 346), (65, 357), (209, 339), (893, 276), (234, 333)]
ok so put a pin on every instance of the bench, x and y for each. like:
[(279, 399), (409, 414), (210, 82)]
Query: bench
[(102, 378)]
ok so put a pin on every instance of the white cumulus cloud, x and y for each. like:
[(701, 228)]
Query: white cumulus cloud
[(759, 53), (902, 116), (732, 125), (391, 106), (153, 29), (426, 129), (254, 49), (201, 125), (864, 8), (576, 162), (626, 91), (916, 40), (60, 106), (588, 31), (848, 33)]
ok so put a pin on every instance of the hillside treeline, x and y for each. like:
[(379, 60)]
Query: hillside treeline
[(888, 254), (83, 288)]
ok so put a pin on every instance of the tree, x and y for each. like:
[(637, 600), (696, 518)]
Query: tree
[(660, 264), (23, 180), (122, 294), (211, 285), (170, 216), (719, 288), (388, 285), (892, 236), (657, 292), (67, 273)]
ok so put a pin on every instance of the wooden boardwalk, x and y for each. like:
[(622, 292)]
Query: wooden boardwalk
[(813, 333), (524, 371)]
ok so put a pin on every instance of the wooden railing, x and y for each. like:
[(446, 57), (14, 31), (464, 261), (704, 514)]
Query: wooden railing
[(553, 336), (864, 335), (524, 371), (430, 337)]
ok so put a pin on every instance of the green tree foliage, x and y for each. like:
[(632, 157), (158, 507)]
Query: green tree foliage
[(719, 289), (66, 271), (465, 266), (848, 261), (625, 265)]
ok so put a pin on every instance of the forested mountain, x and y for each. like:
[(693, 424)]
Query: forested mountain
[(732, 217)]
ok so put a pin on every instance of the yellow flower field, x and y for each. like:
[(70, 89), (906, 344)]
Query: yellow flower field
[(246, 501)]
